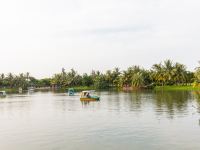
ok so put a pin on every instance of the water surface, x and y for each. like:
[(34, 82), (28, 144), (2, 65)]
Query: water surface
[(132, 121)]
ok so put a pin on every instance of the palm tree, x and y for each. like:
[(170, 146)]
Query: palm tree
[(168, 69), (109, 77), (87, 80), (10, 78), (158, 74), (2, 76), (116, 77), (197, 73), (180, 73), (138, 80), (27, 76)]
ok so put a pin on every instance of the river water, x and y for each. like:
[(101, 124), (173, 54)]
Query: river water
[(120, 120)]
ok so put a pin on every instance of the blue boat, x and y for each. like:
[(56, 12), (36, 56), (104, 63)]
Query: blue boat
[(71, 92)]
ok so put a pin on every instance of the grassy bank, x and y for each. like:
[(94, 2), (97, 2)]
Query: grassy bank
[(83, 88), (9, 90), (158, 88), (174, 87), (77, 89)]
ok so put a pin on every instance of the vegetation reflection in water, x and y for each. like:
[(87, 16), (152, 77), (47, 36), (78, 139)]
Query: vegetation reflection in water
[(131, 120)]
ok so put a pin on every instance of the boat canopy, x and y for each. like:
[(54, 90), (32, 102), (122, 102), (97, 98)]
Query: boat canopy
[(71, 92), (86, 95), (89, 91), (2, 93)]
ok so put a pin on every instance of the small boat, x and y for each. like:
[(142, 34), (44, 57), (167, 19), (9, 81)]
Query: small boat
[(20, 90), (87, 96), (2, 94), (31, 89), (71, 92)]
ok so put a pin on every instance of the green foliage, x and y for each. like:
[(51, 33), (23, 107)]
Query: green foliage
[(197, 74), (162, 74), (87, 80), (22, 80), (176, 87), (46, 82), (170, 73), (101, 82), (138, 79)]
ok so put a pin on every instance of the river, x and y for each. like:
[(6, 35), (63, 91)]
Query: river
[(140, 120)]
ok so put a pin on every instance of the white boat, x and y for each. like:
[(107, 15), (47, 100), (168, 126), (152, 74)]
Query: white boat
[(2, 93), (20, 90), (31, 89)]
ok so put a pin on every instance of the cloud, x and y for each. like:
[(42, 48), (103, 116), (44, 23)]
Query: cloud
[(63, 33)]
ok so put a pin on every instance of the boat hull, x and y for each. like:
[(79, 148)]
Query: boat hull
[(71, 94), (89, 99), (2, 94)]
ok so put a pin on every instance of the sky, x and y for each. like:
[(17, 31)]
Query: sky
[(43, 36)]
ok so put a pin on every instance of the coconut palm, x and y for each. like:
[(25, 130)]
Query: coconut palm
[(109, 77), (138, 80), (168, 71), (116, 77), (180, 73), (197, 73), (10, 80), (158, 74)]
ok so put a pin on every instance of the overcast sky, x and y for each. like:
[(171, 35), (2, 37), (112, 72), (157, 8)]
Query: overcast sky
[(42, 36)]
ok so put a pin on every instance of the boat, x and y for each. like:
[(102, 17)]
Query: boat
[(87, 96), (71, 92), (2, 94), (31, 89), (20, 90)]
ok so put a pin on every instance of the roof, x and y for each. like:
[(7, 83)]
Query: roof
[(85, 91), (88, 91)]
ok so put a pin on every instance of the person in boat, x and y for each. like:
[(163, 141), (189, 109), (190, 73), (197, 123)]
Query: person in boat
[(88, 95)]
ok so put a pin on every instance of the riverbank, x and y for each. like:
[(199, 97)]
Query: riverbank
[(84, 88), (157, 88), (78, 88), (175, 88), (9, 90)]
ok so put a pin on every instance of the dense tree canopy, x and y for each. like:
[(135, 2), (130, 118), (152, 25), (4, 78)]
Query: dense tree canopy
[(164, 73), (197, 74)]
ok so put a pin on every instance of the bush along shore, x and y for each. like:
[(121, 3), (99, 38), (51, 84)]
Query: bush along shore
[(167, 75)]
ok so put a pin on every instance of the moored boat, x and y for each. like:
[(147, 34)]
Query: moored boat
[(2, 93), (20, 90), (87, 96), (71, 92), (31, 89)]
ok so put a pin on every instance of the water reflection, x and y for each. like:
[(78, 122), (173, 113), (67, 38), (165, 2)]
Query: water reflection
[(197, 97), (168, 102), (135, 120), (62, 102), (171, 102), (86, 103), (15, 104)]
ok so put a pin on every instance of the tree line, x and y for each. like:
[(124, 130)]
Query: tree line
[(23, 80), (161, 74)]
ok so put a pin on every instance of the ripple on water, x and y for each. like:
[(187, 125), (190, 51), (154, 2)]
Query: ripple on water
[(137, 120)]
